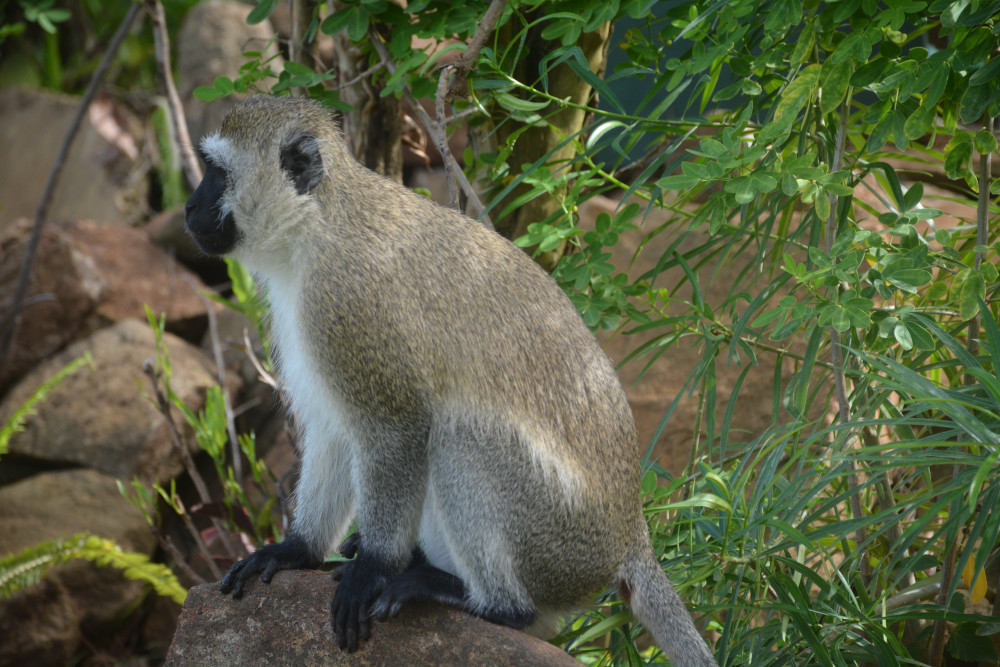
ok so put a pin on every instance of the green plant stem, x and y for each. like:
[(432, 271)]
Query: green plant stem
[(836, 352), (972, 345), (199, 482)]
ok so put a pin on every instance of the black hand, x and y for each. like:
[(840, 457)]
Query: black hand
[(361, 581), (292, 554)]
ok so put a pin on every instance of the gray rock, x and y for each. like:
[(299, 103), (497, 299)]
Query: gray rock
[(94, 182), (100, 418), (63, 293), (211, 43), (287, 622)]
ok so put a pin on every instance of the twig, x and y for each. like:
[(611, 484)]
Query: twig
[(199, 541), (43, 205), (440, 137), (368, 72), (178, 123), (458, 86), (447, 75), (171, 548), (175, 435), (220, 372), (836, 352), (262, 374)]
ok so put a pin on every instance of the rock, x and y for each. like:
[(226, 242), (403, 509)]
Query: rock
[(100, 418), (211, 43), (94, 182), (86, 275), (287, 622), (78, 602), (64, 291), (138, 273)]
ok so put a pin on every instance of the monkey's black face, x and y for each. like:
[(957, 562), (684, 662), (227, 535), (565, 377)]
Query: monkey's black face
[(214, 233)]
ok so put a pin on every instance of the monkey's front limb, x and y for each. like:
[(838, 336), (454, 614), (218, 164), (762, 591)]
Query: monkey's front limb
[(292, 554), (360, 583)]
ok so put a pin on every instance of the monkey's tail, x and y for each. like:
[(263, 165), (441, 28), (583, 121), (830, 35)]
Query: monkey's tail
[(658, 607)]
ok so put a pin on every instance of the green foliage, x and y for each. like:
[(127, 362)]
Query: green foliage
[(253, 514), (26, 568), (789, 140)]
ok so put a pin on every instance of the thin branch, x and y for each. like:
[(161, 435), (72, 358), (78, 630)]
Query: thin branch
[(438, 133), (447, 75), (41, 212), (458, 86), (368, 72), (178, 122), (836, 352), (175, 435), (171, 548), (220, 370)]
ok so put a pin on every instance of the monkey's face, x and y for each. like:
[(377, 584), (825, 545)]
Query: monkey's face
[(260, 172)]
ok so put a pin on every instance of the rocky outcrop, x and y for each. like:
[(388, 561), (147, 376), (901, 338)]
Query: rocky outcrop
[(287, 622)]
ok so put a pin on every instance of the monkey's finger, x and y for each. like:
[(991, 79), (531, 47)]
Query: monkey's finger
[(349, 547), (269, 571)]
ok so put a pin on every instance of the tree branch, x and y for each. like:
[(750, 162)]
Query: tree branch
[(438, 133), (458, 86), (178, 122)]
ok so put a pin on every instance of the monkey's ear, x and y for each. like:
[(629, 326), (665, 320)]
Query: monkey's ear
[(300, 159)]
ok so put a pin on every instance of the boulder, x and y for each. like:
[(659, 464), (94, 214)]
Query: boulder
[(95, 180), (211, 43), (102, 418), (137, 273), (77, 604), (287, 622), (63, 293)]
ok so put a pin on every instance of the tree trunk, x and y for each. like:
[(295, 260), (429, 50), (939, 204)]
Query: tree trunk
[(374, 129), (538, 141)]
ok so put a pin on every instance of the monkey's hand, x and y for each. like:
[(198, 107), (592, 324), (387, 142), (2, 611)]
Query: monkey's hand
[(292, 554), (361, 581)]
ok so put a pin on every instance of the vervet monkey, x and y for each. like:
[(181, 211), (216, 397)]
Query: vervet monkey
[(449, 396)]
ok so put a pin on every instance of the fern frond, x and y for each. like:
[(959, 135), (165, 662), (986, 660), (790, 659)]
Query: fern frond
[(134, 566), (16, 422), (27, 567)]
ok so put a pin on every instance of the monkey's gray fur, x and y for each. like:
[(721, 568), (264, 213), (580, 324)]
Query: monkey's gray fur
[(450, 398)]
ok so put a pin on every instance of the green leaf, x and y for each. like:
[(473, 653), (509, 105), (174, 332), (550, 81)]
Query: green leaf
[(984, 141), (956, 157), (902, 336), (988, 74), (263, 9), (512, 103), (976, 99), (678, 182), (834, 81)]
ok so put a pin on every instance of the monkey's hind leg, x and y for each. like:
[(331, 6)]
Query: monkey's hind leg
[(423, 581)]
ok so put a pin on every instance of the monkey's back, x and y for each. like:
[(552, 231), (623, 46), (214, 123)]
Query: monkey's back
[(471, 330)]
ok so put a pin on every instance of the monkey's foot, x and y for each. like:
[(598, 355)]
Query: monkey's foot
[(361, 581), (423, 581), (292, 554)]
